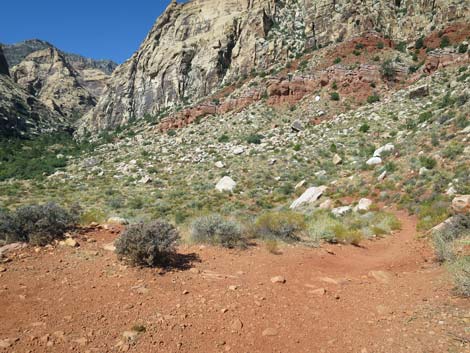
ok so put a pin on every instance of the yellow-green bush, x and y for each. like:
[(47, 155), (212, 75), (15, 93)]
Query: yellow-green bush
[(285, 225)]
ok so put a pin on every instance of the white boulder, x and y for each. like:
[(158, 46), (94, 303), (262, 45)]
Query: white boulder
[(310, 195), (226, 184)]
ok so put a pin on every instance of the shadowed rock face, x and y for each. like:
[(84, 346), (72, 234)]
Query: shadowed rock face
[(3, 64), (196, 47)]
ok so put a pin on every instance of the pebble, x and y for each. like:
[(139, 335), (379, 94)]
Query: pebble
[(278, 279), (270, 332)]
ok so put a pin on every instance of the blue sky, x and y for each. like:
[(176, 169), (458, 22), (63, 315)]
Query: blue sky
[(100, 29)]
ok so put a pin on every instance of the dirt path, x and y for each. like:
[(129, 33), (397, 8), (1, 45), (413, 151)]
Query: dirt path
[(387, 296)]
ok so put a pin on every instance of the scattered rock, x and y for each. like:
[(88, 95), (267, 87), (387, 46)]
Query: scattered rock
[(419, 92), (236, 325), (233, 287), (226, 184), (326, 205), (270, 332), (300, 184), (278, 279), (238, 150), (341, 211), (381, 276), (145, 180), (374, 161), (318, 292), (382, 176), (461, 204), (297, 126), (363, 205), (310, 195), (130, 335), (117, 220), (109, 247), (219, 164), (337, 159), (71, 243), (11, 247), (387, 148)]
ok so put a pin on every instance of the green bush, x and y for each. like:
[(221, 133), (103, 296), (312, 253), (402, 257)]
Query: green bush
[(373, 98), (387, 70), (215, 230), (334, 96), (445, 42), (254, 139), (224, 138), (285, 225), (92, 215), (460, 271), (427, 162), (36, 224), (463, 48), (364, 128), (148, 244)]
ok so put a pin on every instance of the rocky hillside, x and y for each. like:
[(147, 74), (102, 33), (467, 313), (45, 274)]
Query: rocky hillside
[(196, 48), (20, 112), (16, 53)]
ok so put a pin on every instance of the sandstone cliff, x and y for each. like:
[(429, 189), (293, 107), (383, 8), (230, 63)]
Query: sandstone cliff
[(46, 75), (197, 47), (20, 112)]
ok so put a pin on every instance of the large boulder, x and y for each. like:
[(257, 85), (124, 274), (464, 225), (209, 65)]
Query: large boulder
[(226, 184), (461, 204), (310, 195)]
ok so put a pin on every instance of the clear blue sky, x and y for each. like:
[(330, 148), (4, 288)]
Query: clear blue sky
[(100, 29)]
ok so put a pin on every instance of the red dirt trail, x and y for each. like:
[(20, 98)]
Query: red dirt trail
[(386, 296)]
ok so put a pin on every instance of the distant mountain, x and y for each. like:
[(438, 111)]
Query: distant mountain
[(15, 53), (21, 113)]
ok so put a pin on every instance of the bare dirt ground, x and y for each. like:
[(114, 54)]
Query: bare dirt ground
[(386, 296)]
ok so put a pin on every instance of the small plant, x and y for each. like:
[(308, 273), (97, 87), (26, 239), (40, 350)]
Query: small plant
[(334, 96), (419, 44), (254, 139), (387, 70), (364, 128), (284, 225), (214, 229), (148, 244), (346, 236), (463, 48), (380, 45), (171, 133), (272, 246), (373, 98), (445, 42), (427, 162), (337, 61), (92, 215), (460, 271), (223, 138)]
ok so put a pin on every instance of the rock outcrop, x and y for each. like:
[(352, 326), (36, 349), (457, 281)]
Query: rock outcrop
[(197, 47), (20, 112), (46, 75)]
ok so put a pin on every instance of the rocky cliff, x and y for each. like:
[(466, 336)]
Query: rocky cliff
[(20, 112), (197, 47), (47, 75), (16, 53)]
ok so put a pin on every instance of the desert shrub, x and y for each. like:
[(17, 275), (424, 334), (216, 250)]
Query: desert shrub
[(337, 60), (431, 213), (148, 244), (285, 225), (346, 236), (373, 98), (463, 48), (387, 70), (445, 42), (427, 162), (321, 224), (445, 243), (92, 215), (334, 96), (419, 44), (460, 271), (223, 138), (254, 139), (364, 128), (36, 224), (272, 246), (380, 45), (214, 229)]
